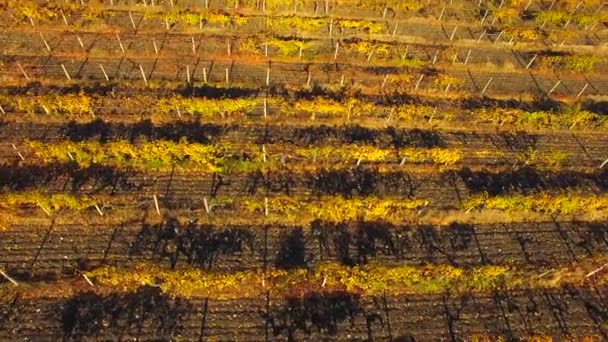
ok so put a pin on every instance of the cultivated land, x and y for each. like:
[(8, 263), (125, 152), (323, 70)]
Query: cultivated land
[(304, 170)]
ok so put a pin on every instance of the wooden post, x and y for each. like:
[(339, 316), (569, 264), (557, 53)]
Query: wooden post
[(205, 75), (265, 206), (528, 5), (227, 75), (2, 110), (193, 46), (435, 57), (309, 78), (604, 163), (155, 46), (229, 47), (104, 72), (143, 74), (395, 30), (98, 210), (188, 73), (487, 85), (331, 26), (342, 80), (65, 71), (384, 81), (23, 71)]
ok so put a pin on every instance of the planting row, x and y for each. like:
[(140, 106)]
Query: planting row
[(81, 106)]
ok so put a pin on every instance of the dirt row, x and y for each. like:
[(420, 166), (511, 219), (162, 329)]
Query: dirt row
[(146, 314), (297, 75), (59, 250), (411, 29), (215, 42)]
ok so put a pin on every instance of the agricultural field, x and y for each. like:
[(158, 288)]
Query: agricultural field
[(304, 170)]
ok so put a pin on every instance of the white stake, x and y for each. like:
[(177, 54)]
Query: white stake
[(67, 75), (268, 76), (336, 51), (418, 83), (80, 42), (65, 20), (45, 43), (205, 75), (155, 46), (193, 46), (453, 33), (188, 73), (227, 76), (466, 60), (531, 61), (2, 110), (265, 206), (122, 48), (143, 74), (88, 280), (604, 163), (206, 205), (98, 210), (555, 86), (156, 205), (582, 90), (132, 21), (481, 35), (104, 72), (441, 14), (487, 85), (265, 108), (9, 278), (23, 71)]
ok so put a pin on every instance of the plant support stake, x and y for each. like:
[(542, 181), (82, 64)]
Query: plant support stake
[(143, 74), (156, 205), (7, 277), (65, 71), (104, 72), (23, 71), (487, 85), (554, 87), (531, 61)]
